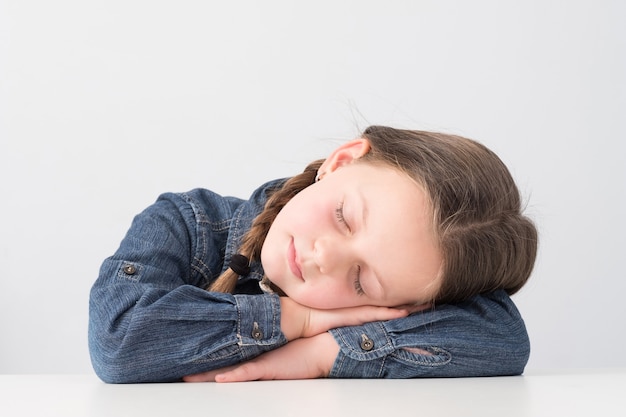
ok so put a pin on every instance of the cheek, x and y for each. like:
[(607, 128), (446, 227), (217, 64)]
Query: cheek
[(289, 217), (273, 250), (302, 221), (324, 297), (309, 203)]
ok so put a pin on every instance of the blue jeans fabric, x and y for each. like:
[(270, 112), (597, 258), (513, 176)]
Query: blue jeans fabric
[(150, 319)]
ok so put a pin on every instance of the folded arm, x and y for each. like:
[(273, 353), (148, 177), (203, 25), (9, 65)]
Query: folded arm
[(484, 336)]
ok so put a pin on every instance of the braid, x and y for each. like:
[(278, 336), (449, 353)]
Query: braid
[(252, 241)]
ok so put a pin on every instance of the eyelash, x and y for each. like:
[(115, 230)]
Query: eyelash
[(342, 220), (340, 217), (357, 282)]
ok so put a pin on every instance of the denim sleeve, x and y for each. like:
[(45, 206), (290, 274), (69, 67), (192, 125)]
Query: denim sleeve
[(149, 318), (484, 336)]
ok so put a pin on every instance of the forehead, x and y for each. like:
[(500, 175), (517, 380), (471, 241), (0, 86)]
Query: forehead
[(388, 189)]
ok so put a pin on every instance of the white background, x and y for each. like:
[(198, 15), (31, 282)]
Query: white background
[(106, 104)]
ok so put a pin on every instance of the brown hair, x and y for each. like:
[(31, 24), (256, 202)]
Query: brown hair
[(485, 240), (252, 241)]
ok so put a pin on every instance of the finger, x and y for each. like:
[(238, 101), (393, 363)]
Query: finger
[(387, 313), (322, 320), (250, 371), (208, 376), (203, 377), (414, 308), (366, 314)]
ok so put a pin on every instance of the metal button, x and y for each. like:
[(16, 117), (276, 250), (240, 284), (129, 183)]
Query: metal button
[(366, 343), (129, 269), (256, 333)]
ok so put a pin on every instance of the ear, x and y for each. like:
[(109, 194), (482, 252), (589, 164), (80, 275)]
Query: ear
[(345, 154)]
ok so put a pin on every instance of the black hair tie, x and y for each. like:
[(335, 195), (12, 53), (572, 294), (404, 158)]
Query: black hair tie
[(240, 264)]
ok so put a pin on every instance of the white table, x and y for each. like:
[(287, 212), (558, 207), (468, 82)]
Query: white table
[(588, 393)]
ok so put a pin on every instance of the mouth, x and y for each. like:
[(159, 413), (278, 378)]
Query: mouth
[(293, 264)]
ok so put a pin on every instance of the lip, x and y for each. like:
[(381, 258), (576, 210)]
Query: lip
[(293, 263)]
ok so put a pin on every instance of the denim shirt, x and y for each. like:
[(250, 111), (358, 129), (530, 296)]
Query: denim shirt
[(151, 319)]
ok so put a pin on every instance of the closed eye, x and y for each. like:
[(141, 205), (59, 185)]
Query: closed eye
[(357, 282), (340, 216)]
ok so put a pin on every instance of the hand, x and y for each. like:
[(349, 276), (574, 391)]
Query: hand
[(300, 321), (301, 359)]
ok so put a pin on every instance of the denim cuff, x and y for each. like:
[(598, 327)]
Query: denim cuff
[(362, 351), (258, 324)]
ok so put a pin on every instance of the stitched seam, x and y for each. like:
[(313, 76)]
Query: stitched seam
[(382, 328), (239, 327), (213, 358), (382, 366), (339, 366), (275, 325), (201, 247), (205, 276), (441, 357)]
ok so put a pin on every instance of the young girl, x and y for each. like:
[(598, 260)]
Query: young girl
[(392, 258)]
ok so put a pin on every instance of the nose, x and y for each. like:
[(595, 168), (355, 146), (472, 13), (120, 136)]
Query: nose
[(331, 256)]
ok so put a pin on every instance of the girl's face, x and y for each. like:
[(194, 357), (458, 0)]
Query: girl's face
[(360, 236)]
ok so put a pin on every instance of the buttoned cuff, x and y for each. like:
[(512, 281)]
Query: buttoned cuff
[(362, 351), (258, 324)]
